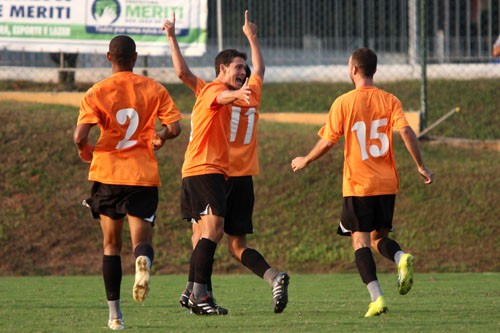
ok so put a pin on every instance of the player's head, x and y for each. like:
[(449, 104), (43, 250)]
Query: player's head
[(248, 71), (365, 60), (230, 67), (122, 51)]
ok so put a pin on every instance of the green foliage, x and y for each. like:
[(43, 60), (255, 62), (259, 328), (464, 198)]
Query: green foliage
[(317, 303)]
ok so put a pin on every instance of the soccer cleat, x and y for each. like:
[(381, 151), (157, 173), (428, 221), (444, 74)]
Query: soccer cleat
[(280, 291), (116, 324), (184, 299), (376, 308), (141, 284), (207, 307), (405, 273), (222, 311)]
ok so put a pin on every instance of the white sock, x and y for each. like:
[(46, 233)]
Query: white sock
[(374, 290), (397, 256), (114, 310)]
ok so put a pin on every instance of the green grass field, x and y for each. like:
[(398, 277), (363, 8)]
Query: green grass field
[(456, 302)]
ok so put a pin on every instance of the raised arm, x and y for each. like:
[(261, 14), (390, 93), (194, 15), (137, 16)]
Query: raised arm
[(181, 68), (250, 31), (411, 143)]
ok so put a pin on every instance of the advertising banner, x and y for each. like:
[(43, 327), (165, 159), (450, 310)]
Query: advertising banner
[(87, 26)]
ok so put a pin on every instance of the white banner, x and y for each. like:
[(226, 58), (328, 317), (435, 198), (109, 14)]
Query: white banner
[(87, 26)]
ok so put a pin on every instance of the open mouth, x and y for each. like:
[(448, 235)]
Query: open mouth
[(240, 81)]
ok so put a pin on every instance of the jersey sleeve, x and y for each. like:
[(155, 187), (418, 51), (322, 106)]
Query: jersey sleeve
[(168, 111), (333, 129), (255, 84), (88, 110), (210, 96), (200, 84), (398, 116)]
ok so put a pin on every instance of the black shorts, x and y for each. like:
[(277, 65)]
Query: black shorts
[(198, 193), (366, 214), (239, 201), (116, 201)]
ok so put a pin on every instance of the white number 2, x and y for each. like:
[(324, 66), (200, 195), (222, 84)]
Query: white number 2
[(121, 117), (235, 121), (375, 151)]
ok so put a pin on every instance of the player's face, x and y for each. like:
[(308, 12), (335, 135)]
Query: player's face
[(235, 74)]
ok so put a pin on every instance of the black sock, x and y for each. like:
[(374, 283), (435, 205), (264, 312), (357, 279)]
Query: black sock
[(204, 260), (112, 275), (366, 264), (144, 249), (388, 248), (255, 262), (191, 267), (192, 270)]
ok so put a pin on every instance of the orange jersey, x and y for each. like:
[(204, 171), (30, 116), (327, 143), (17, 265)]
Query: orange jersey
[(366, 117), (208, 148), (243, 157), (126, 107)]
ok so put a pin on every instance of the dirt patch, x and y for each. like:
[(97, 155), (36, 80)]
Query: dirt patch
[(74, 98)]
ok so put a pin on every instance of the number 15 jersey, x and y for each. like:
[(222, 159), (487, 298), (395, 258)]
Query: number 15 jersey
[(366, 117)]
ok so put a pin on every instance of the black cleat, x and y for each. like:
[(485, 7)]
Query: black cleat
[(184, 299), (206, 307), (280, 292)]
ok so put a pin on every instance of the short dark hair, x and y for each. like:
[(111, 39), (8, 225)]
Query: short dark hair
[(122, 49), (366, 60), (248, 71), (226, 57)]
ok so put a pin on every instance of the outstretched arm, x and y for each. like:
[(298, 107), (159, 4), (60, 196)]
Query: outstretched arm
[(229, 96), (250, 31), (181, 68), (411, 143), (169, 131), (320, 149)]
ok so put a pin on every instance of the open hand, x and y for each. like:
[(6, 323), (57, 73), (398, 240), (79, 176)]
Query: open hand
[(244, 92)]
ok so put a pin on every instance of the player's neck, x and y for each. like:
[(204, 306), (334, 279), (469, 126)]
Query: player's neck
[(364, 82)]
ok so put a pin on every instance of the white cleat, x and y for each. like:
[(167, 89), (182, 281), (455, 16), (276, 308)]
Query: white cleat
[(141, 284), (116, 324)]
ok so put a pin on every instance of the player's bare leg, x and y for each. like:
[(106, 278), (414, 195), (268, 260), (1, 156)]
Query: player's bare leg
[(368, 272), (254, 261), (112, 269), (391, 250)]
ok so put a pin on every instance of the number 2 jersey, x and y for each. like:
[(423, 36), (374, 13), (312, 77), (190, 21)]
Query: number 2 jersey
[(126, 107), (239, 121), (366, 117)]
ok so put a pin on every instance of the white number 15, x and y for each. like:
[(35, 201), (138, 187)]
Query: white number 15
[(360, 129)]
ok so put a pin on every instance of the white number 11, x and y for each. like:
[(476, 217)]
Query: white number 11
[(235, 122), (360, 129)]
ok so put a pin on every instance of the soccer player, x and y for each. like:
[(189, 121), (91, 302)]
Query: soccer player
[(123, 166), (366, 117), (243, 165)]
